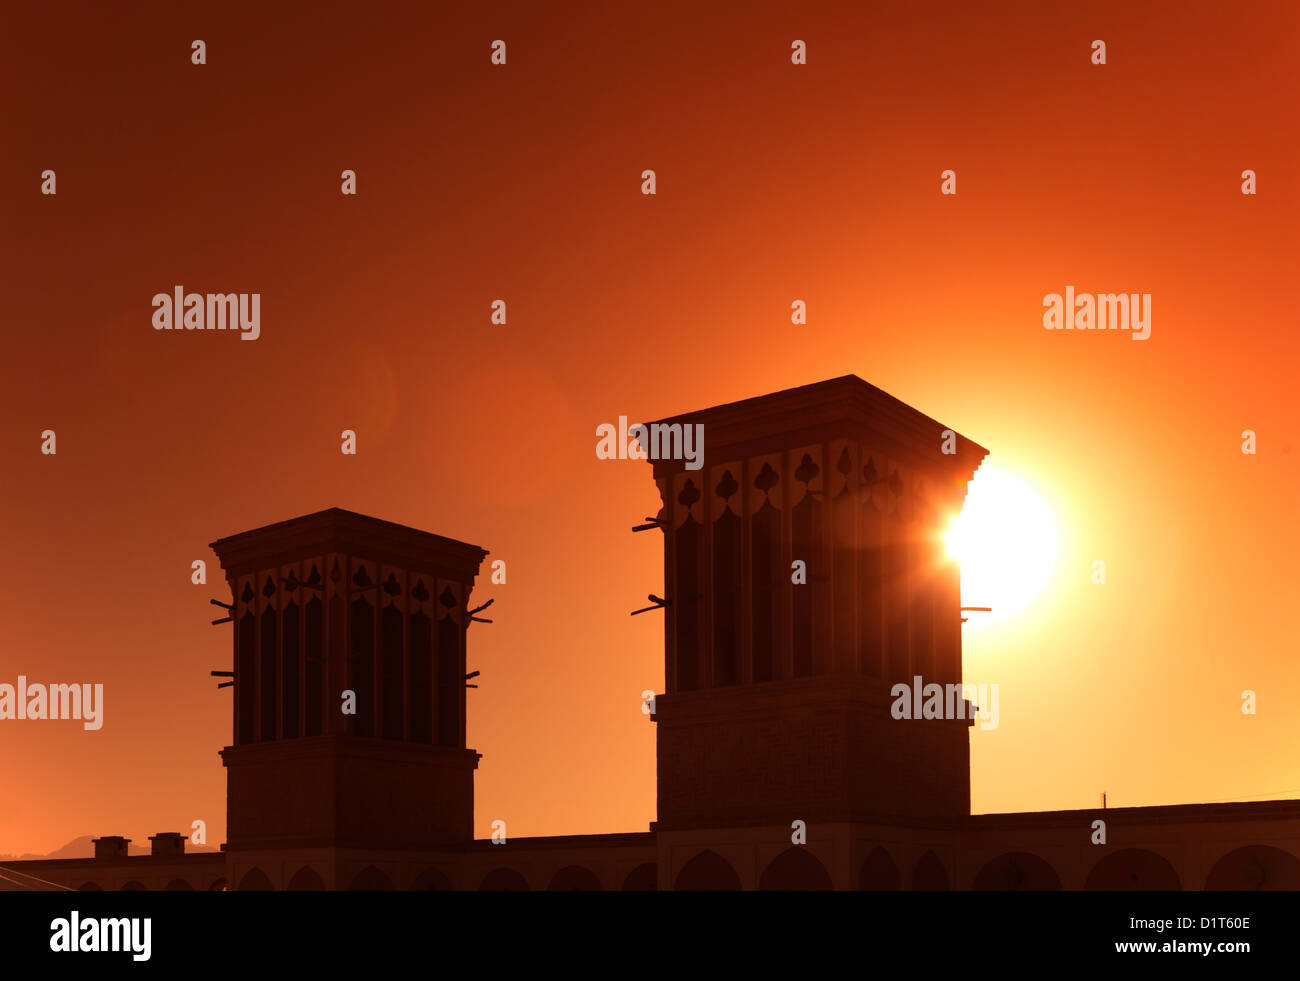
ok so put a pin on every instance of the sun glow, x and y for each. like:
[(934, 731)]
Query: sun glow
[(1006, 542)]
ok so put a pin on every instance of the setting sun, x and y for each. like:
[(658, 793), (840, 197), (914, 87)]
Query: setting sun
[(1006, 542)]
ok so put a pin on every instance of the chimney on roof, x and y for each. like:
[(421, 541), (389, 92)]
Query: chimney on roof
[(167, 844), (110, 846)]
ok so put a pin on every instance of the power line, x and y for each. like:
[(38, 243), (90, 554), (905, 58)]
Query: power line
[(34, 878)]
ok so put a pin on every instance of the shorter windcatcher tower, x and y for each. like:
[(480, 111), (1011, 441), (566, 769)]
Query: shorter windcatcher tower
[(349, 685)]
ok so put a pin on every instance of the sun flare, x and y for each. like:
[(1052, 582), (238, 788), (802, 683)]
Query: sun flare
[(1006, 542)]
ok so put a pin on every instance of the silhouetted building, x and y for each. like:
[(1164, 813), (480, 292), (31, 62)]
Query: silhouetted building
[(348, 766), (349, 727), (778, 693)]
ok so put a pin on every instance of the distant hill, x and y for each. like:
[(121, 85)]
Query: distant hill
[(83, 848)]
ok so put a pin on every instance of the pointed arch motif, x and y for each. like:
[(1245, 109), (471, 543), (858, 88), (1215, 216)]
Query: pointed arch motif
[(1016, 871), (1255, 867), (371, 879), (707, 872), (1133, 869), (929, 874), (306, 880), (795, 869), (643, 878), (255, 880), (575, 878), (504, 880), (432, 880), (878, 872)]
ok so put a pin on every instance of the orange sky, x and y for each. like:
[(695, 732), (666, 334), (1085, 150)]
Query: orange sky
[(522, 182)]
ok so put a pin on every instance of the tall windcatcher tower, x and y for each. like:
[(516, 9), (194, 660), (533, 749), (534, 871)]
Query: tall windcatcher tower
[(806, 573), (349, 686)]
